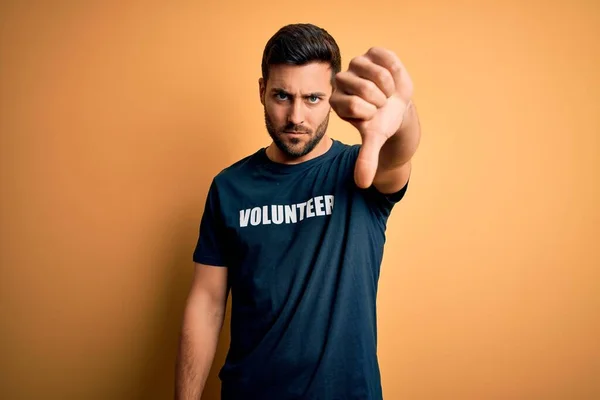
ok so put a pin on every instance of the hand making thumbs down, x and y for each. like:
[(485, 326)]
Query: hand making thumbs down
[(373, 95)]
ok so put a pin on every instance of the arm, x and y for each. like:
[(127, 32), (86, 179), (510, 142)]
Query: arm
[(394, 166), (202, 322)]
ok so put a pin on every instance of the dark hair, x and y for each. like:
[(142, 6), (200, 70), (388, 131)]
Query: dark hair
[(299, 44)]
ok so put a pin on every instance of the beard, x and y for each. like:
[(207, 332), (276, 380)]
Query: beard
[(293, 147)]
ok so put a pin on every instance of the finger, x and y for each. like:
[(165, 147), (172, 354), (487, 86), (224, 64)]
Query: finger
[(367, 161), (352, 84), (388, 60), (363, 67), (352, 107)]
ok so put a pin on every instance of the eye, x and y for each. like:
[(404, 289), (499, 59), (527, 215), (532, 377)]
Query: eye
[(281, 96), (313, 99)]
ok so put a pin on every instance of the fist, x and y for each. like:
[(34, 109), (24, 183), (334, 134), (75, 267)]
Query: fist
[(372, 95)]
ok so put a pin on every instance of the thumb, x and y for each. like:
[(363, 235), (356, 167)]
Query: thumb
[(367, 161)]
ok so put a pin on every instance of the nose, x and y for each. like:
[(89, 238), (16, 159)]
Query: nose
[(296, 114)]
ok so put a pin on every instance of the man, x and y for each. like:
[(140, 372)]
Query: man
[(296, 230)]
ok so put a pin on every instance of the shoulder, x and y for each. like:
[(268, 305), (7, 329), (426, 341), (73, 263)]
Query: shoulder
[(346, 146), (346, 151), (239, 168), (350, 149)]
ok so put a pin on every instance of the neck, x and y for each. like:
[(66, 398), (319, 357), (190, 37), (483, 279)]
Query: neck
[(276, 155)]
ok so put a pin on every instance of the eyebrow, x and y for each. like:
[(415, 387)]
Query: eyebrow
[(281, 90)]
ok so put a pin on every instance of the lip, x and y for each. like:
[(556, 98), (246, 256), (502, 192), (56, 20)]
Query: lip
[(294, 133)]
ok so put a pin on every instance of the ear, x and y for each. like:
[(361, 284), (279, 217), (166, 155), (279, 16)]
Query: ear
[(261, 90)]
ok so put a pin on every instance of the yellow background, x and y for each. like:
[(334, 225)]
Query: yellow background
[(115, 117)]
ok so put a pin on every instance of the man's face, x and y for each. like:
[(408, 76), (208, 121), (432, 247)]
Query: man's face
[(296, 103)]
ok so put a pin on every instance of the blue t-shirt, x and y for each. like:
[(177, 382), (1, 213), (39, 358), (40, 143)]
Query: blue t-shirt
[(303, 246)]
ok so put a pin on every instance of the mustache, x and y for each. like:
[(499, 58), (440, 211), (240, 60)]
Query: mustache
[(296, 128)]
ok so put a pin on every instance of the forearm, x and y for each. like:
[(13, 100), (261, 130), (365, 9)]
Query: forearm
[(201, 326), (399, 149)]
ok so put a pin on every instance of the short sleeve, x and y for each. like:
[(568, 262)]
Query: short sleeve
[(210, 248), (384, 203)]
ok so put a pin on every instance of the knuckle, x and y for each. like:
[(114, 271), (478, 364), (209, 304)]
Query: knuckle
[(376, 95), (340, 81), (342, 76), (337, 102), (395, 66), (382, 76), (357, 62), (369, 89), (353, 105), (388, 82), (373, 50)]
